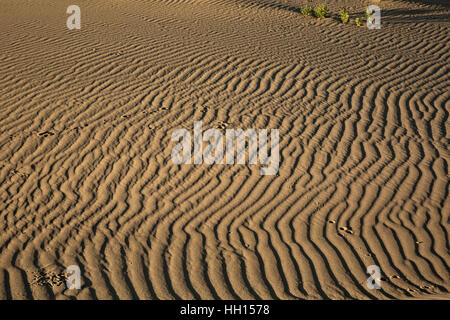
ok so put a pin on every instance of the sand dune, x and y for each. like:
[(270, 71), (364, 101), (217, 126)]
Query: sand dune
[(86, 176)]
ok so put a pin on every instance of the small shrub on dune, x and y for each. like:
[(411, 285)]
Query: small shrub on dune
[(368, 14), (307, 11), (320, 11), (344, 15), (358, 21)]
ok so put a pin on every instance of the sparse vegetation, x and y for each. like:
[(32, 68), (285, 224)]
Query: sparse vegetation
[(344, 15), (320, 11), (368, 14), (307, 11)]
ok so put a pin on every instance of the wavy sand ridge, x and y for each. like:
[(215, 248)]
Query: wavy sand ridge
[(85, 163)]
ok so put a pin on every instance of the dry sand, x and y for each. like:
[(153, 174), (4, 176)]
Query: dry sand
[(86, 175)]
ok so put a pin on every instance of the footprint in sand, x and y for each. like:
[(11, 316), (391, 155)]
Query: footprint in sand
[(347, 230), (223, 125), (427, 287), (81, 127), (49, 278), (45, 134)]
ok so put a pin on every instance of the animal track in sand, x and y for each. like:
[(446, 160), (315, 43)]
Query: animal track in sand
[(46, 134), (81, 127), (49, 278), (223, 125), (346, 229)]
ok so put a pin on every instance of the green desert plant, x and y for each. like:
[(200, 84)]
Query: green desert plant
[(358, 21), (368, 14), (344, 15), (307, 11), (320, 11)]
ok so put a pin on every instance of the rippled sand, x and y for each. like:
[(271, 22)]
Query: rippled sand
[(86, 176)]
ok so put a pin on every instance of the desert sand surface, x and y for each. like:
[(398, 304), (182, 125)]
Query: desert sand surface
[(86, 176)]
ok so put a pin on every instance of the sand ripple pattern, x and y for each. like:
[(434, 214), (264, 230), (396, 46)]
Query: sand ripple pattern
[(86, 176)]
